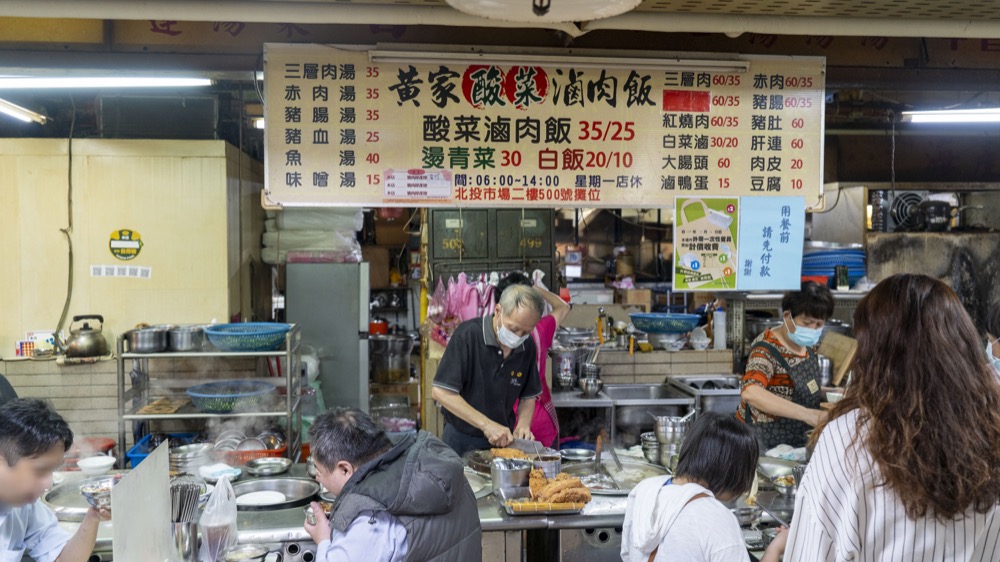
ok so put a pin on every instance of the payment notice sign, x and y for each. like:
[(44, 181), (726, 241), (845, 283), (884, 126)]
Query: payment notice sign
[(344, 130)]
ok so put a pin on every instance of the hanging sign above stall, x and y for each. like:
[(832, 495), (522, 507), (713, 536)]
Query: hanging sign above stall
[(739, 243), (417, 128)]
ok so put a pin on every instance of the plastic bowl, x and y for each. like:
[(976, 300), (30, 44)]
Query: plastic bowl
[(96, 465), (664, 322)]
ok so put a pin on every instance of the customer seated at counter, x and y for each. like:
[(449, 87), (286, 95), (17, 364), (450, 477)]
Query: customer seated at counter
[(410, 501), (489, 364), (33, 441), (781, 384), (908, 465), (682, 517)]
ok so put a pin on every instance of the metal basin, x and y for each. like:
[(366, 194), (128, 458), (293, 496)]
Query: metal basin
[(298, 492), (627, 393)]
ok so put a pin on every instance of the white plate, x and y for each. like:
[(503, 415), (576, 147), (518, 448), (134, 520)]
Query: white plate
[(267, 497)]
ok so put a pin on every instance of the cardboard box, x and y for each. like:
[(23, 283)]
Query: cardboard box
[(378, 265), (391, 232), (635, 297)]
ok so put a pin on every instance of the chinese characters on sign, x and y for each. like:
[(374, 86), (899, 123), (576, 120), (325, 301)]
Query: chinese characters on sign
[(771, 234), (706, 238), (339, 127), (748, 244)]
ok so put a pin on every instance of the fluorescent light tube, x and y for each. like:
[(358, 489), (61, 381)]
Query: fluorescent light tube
[(258, 123), (21, 113), (33, 82), (991, 115), (384, 56)]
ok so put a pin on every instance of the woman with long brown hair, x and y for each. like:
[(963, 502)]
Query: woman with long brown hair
[(907, 467)]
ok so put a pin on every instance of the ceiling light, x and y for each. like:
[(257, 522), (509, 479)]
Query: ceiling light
[(258, 123), (427, 57), (26, 83), (561, 11), (990, 115), (21, 113)]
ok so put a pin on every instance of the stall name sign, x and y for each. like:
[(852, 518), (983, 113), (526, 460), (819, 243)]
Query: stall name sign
[(738, 243), (343, 130)]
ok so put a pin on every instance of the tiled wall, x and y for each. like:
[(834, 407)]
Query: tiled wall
[(618, 367)]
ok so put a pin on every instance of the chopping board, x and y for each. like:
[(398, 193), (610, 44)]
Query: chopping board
[(840, 349), (164, 405)]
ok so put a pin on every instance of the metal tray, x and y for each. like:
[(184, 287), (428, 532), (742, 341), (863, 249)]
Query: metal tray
[(298, 492), (514, 494), (66, 501), (602, 486), (481, 486), (480, 460)]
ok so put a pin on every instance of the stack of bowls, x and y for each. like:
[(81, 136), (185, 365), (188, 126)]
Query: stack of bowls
[(670, 431), (187, 459), (650, 447), (228, 440)]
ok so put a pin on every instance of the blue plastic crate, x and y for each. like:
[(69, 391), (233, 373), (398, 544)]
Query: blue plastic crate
[(141, 450)]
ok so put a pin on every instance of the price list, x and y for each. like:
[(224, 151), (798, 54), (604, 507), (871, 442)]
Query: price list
[(342, 130)]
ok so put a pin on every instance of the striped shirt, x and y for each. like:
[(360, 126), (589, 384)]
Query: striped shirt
[(841, 514)]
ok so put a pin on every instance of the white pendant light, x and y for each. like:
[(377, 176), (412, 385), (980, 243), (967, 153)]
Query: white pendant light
[(549, 11)]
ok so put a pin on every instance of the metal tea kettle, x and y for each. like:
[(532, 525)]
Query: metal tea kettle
[(86, 341)]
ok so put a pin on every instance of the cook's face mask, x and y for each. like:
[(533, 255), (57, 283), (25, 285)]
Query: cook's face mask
[(507, 338), (804, 336)]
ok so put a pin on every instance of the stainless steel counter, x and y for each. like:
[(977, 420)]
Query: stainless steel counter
[(575, 399)]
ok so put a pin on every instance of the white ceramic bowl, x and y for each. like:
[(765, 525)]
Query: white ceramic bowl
[(96, 466)]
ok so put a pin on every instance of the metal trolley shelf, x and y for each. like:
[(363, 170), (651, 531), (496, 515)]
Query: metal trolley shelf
[(157, 382)]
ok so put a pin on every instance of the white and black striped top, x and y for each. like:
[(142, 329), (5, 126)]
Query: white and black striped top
[(840, 514)]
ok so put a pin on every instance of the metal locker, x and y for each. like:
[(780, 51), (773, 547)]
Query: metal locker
[(459, 234), (524, 233)]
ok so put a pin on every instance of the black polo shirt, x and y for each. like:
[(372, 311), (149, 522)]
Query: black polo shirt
[(474, 367)]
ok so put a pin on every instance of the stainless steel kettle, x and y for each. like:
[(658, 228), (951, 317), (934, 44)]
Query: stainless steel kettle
[(86, 341)]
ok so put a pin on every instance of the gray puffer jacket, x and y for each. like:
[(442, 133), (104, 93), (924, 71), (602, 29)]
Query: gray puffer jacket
[(421, 482)]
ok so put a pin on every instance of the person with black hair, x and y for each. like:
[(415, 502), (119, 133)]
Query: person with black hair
[(682, 517), (33, 441), (409, 501), (781, 384)]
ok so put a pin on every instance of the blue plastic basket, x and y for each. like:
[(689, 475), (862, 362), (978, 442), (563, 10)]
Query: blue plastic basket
[(664, 322), (247, 336), (223, 397), (141, 450)]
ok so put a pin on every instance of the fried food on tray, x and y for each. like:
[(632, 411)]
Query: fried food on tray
[(537, 481), (508, 453), (561, 489)]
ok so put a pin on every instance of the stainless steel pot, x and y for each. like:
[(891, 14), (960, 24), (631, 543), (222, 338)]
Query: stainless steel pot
[(147, 340), (570, 337), (390, 358), (186, 338)]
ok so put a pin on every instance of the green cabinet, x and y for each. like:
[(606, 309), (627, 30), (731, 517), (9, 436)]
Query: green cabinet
[(460, 235), (524, 233)]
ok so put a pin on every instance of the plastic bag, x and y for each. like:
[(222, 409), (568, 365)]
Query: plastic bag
[(218, 521), (437, 306)]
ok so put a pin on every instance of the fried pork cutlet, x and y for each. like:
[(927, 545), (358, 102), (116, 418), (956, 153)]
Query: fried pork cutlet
[(508, 453), (571, 495)]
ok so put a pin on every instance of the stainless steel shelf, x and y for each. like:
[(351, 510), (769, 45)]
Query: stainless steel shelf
[(220, 354)]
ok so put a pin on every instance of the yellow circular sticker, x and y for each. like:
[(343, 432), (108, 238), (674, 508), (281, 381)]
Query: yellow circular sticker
[(125, 244)]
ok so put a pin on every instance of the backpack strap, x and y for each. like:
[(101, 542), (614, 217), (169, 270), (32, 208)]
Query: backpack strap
[(652, 555)]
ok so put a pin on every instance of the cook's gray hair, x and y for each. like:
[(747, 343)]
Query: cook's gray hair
[(516, 296)]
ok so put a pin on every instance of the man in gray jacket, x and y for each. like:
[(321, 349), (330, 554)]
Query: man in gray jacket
[(408, 502)]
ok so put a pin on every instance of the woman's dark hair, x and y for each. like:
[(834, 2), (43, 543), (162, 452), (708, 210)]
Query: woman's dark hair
[(721, 452), (993, 320), (813, 300), (30, 427), (928, 402), (346, 434), (515, 278)]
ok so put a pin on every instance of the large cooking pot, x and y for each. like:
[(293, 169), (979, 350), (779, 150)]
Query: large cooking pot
[(148, 340), (86, 341), (390, 358)]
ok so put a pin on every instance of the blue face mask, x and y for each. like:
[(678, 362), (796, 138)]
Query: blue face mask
[(806, 337), (989, 353)]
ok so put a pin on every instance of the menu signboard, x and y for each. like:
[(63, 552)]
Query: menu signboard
[(345, 127)]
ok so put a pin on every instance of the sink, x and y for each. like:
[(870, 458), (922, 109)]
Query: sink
[(620, 393)]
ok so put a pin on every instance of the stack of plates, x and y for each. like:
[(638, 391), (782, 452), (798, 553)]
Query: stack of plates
[(187, 459), (824, 262)]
